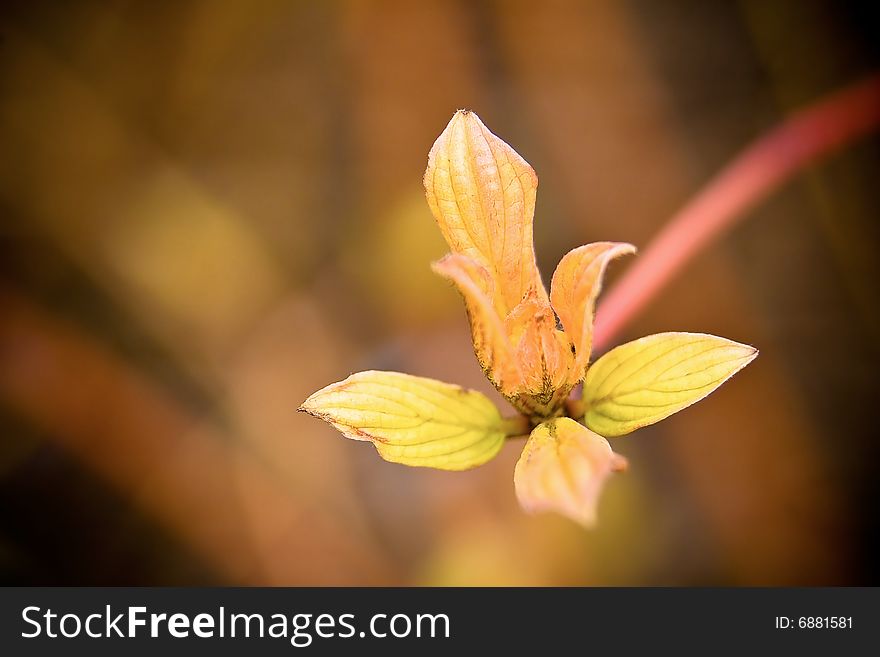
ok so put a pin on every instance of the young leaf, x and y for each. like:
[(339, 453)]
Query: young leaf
[(482, 194), (412, 420), (543, 355), (563, 468), (644, 381), (488, 332), (573, 290)]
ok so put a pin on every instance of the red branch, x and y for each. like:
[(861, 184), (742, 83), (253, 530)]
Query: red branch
[(765, 165)]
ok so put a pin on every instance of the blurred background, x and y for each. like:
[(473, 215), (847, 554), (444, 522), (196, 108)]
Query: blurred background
[(211, 209)]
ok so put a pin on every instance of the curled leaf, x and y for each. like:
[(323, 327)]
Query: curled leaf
[(412, 420), (491, 344), (563, 468), (576, 283), (482, 194), (642, 382), (543, 355)]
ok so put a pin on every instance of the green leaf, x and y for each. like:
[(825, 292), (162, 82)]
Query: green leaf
[(647, 380), (412, 420)]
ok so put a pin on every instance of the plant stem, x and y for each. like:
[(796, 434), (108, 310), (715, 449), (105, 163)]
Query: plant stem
[(762, 167), (575, 408), (517, 426)]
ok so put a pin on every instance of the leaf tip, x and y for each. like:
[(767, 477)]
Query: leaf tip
[(310, 404), (749, 353), (619, 463)]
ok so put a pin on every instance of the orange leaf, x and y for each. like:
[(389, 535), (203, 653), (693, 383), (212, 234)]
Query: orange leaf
[(482, 194), (491, 345), (563, 468), (576, 284), (542, 353)]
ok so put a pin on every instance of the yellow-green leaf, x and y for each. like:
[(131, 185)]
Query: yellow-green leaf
[(412, 420), (563, 468), (644, 381)]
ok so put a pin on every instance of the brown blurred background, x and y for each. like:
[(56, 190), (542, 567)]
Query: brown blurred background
[(212, 209)]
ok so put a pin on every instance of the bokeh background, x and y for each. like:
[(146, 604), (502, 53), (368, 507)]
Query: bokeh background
[(210, 209)]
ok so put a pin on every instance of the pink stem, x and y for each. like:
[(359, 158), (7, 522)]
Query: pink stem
[(765, 165)]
